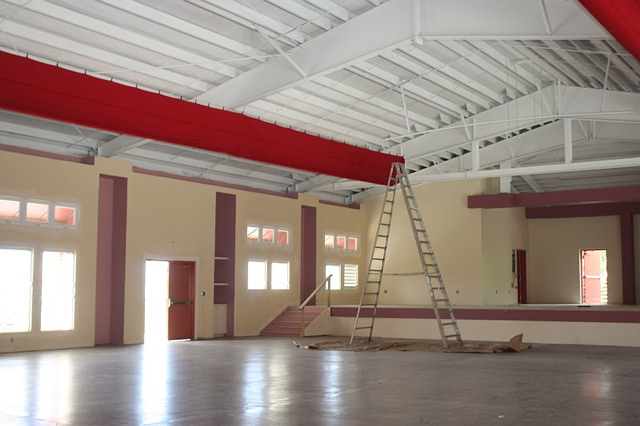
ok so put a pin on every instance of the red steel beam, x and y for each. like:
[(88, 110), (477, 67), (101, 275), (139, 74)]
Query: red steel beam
[(35, 88), (542, 199), (621, 18)]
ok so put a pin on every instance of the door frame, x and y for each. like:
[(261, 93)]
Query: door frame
[(197, 309)]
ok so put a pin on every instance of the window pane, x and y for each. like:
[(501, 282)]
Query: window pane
[(10, 210), (253, 234), (37, 213), (64, 215), (283, 237), (257, 275), (267, 235), (352, 244), (280, 275), (335, 279), (328, 241), (15, 290), (350, 275), (341, 242), (58, 290)]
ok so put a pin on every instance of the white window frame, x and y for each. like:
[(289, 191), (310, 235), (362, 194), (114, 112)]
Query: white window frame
[(339, 265), (346, 236), (75, 286), (270, 267), (275, 242), (32, 250), (266, 274), (20, 210), (344, 284), (51, 212)]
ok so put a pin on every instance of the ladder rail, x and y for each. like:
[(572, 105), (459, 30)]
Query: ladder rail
[(409, 197), (391, 188), (430, 267)]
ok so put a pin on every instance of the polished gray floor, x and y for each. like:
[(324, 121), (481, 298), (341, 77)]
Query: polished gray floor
[(269, 382)]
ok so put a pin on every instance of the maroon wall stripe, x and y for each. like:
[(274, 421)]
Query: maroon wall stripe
[(104, 261), (575, 315), (582, 210), (628, 259), (541, 199), (111, 261), (225, 246), (308, 253)]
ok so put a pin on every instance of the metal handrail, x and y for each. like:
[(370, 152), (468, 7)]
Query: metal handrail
[(304, 304)]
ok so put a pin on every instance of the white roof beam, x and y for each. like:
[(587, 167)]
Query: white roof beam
[(426, 96), (248, 15), (361, 38), (155, 15), (441, 80), (347, 112), (376, 101), (573, 101), (121, 144), (119, 33), (441, 67), (97, 54), (318, 122), (216, 166)]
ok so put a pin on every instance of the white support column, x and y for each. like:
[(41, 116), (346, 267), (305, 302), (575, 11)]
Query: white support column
[(475, 155), (505, 181), (568, 142)]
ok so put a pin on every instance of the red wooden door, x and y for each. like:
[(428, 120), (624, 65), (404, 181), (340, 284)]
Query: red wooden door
[(591, 287), (521, 267), (182, 297)]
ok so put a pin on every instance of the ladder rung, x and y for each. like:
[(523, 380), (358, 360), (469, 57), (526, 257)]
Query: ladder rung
[(447, 336), (363, 328), (368, 304), (441, 300), (444, 324), (371, 293)]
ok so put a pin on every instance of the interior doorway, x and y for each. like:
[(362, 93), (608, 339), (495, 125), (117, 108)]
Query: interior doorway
[(593, 277), (169, 300)]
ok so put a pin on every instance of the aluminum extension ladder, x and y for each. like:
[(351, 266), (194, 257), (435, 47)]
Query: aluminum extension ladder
[(365, 318)]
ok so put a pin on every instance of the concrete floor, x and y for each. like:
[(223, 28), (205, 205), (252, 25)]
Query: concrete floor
[(269, 382)]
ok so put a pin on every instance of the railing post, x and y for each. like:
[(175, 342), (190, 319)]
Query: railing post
[(302, 322)]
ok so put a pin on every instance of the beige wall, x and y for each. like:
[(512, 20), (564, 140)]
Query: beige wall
[(502, 231), (166, 219), (456, 235), (554, 247), (47, 180), (254, 309), (341, 220)]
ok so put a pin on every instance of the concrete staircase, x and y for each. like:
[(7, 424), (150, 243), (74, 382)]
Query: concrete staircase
[(288, 322)]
